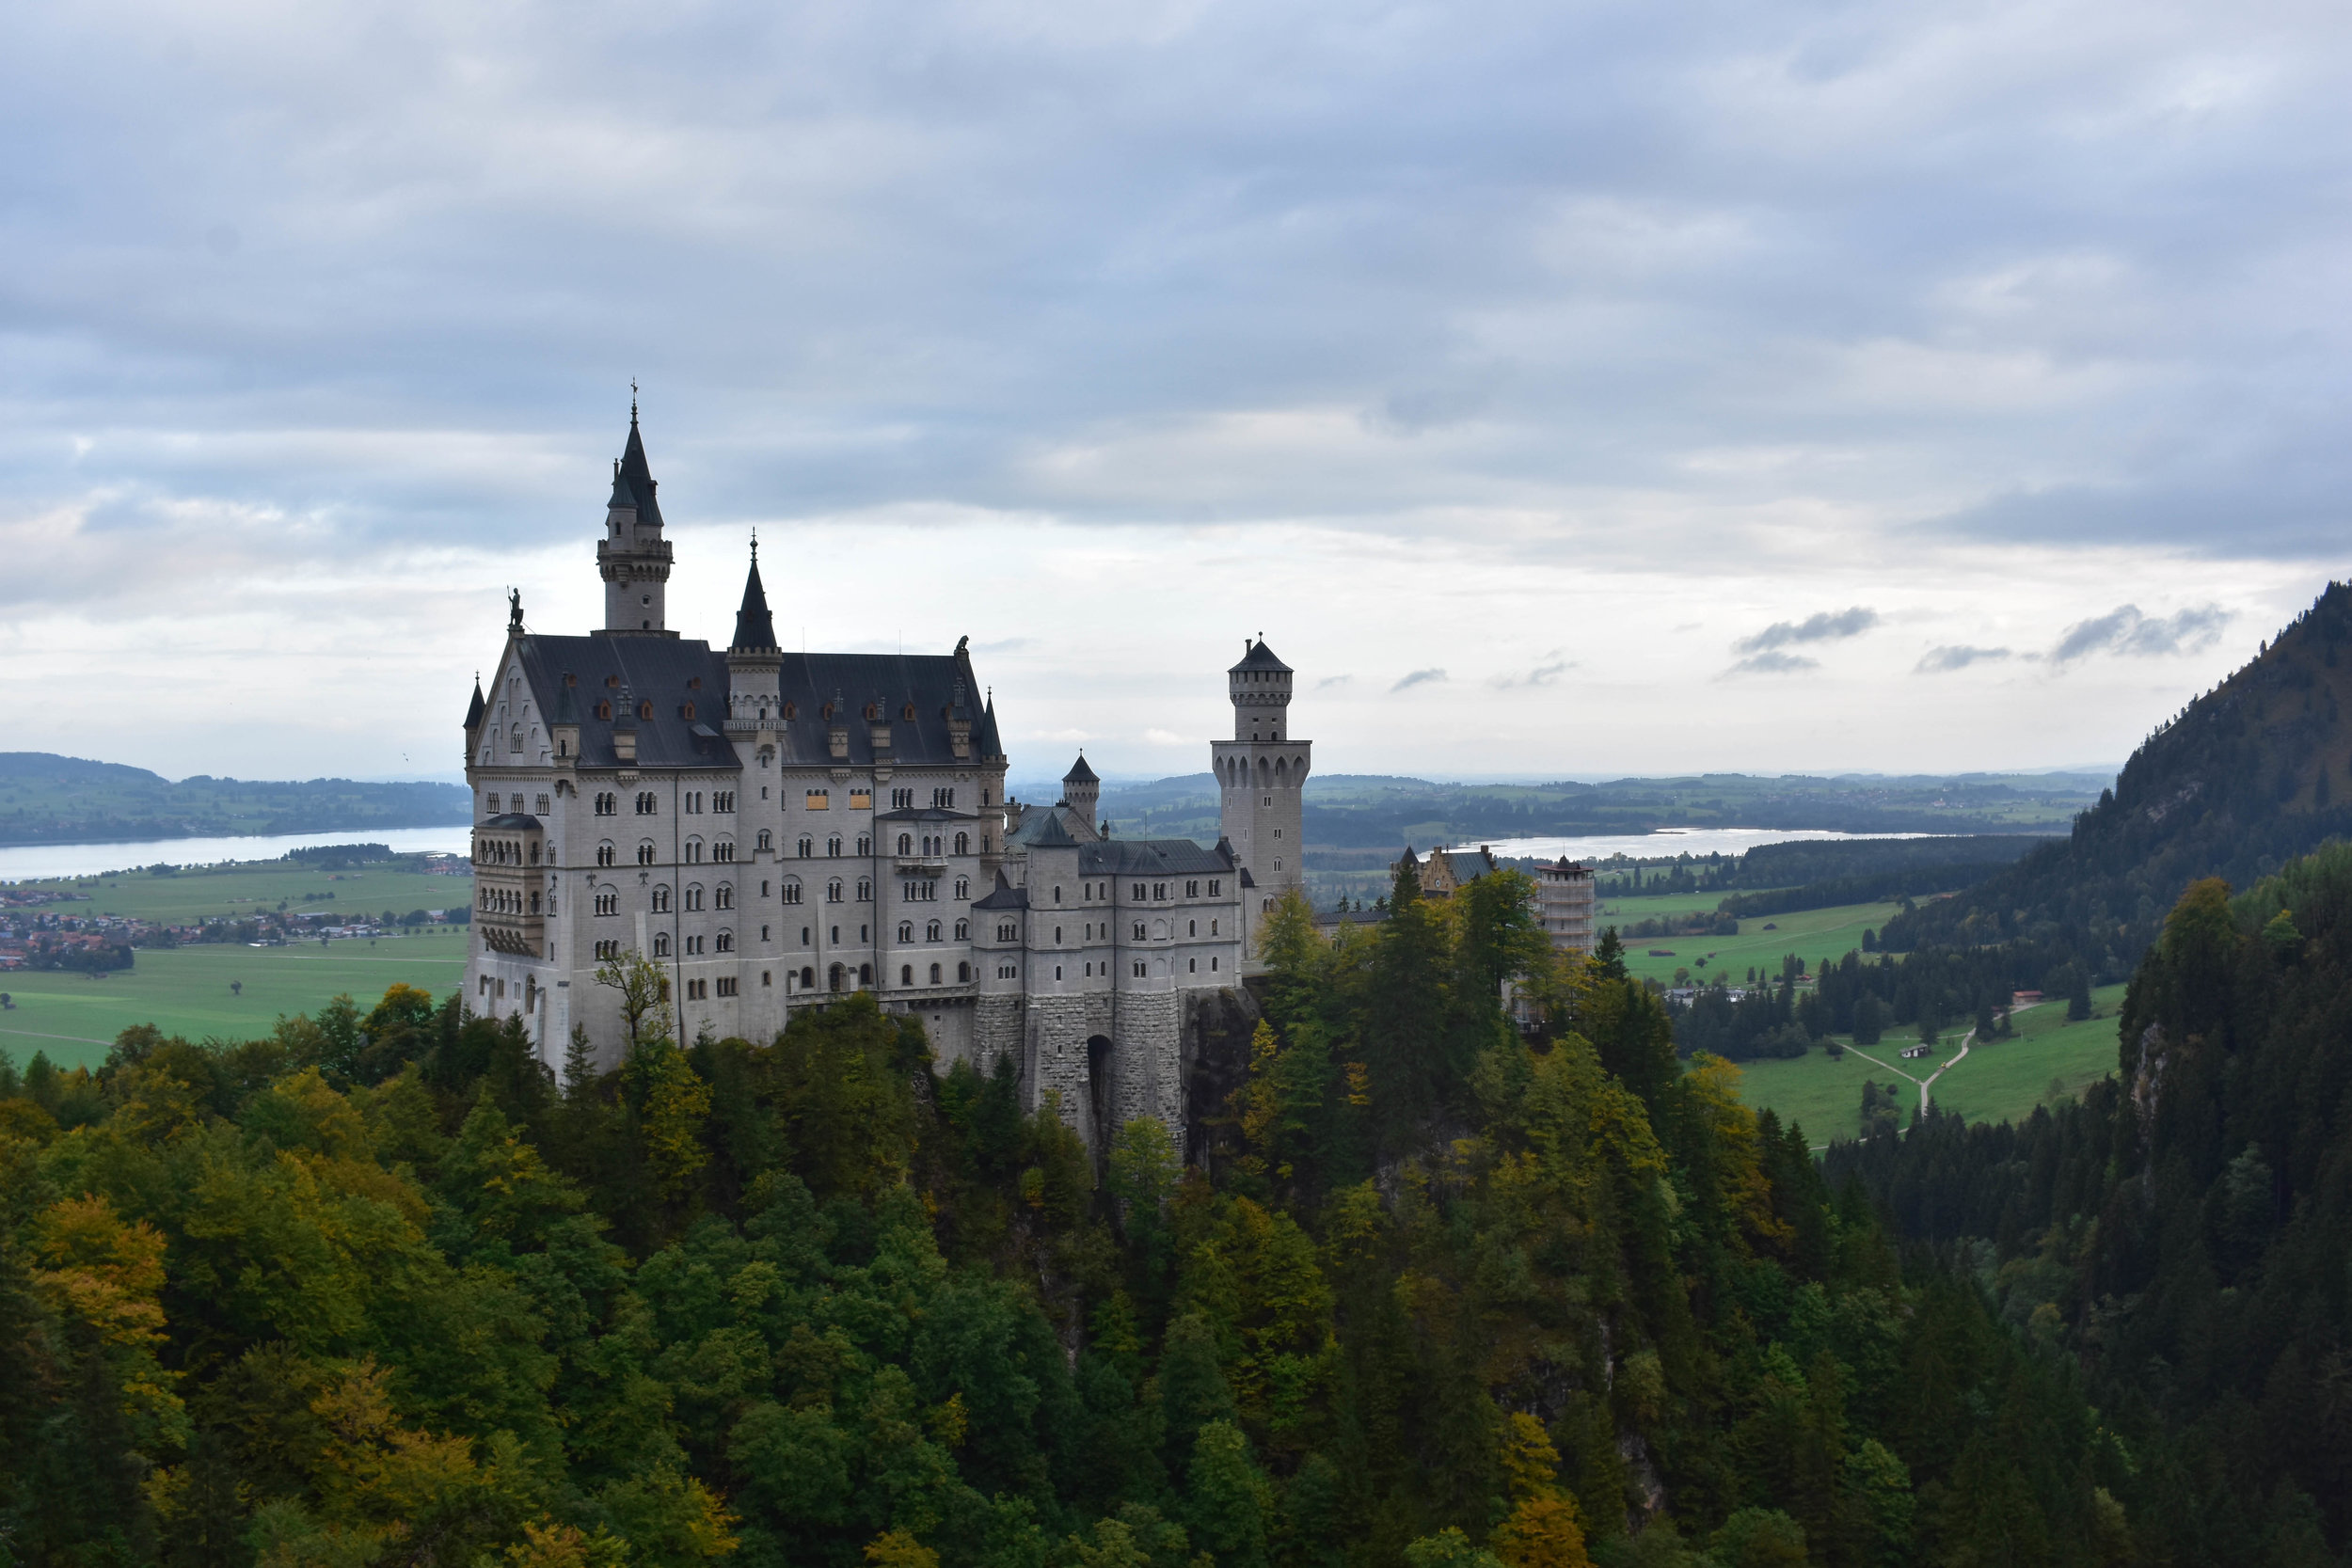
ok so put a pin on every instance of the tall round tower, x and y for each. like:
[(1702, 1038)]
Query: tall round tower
[(1261, 776)]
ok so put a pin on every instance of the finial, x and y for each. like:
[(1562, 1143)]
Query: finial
[(632, 399), (754, 544)]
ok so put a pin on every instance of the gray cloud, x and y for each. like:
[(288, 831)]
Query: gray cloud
[(2125, 631), (1546, 673), (1956, 657), (1328, 682), (1419, 677), (1823, 626), (1774, 663)]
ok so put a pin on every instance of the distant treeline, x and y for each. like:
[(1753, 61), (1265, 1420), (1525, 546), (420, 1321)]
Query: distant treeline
[(46, 799)]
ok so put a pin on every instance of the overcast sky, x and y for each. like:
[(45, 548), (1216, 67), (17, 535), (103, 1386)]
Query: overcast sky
[(1562, 389)]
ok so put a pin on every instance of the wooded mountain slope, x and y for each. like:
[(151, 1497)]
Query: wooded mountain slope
[(2249, 775), (2183, 1233)]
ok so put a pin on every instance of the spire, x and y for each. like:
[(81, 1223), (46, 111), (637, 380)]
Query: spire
[(754, 627), (473, 709), (1079, 772), (633, 483)]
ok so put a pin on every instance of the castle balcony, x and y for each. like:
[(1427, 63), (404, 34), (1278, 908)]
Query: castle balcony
[(523, 936)]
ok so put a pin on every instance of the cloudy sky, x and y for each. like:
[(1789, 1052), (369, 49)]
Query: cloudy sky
[(1562, 388)]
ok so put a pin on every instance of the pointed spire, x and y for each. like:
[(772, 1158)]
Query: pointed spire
[(633, 483), (754, 627), (473, 709)]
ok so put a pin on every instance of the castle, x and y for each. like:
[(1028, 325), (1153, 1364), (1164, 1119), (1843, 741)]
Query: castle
[(779, 830)]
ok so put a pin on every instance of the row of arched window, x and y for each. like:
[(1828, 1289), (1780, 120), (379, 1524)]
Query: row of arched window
[(934, 930)]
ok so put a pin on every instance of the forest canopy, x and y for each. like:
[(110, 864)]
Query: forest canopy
[(1418, 1288)]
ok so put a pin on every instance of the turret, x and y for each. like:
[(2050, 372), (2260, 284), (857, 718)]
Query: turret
[(754, 699), (1259, 687), (632, 557), (1082, 792)]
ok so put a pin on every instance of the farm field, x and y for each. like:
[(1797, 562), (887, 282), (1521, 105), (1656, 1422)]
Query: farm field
[(1811, 934), (2001, 1082), (248, 888), (185, 991)]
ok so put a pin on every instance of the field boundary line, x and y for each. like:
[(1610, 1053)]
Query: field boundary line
[(36, 1035)]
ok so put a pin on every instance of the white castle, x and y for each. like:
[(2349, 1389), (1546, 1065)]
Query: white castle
[(778, 829)]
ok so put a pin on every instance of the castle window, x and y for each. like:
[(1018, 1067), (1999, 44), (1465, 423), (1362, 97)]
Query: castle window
[(1159, 890), (865, 974), (807, 846), (723, 897), (1138, 894), (902, 799), (767, 840), (1007, 931), (1138, 969), (1192, 890), (726, 941), (906, 974), (963, 841), (944, 798), (686, 710), (906, 931), (861, 799), (644, 853), (1139, 932), (865, 844), (662, 945), (693, 802), (1192, 927), (648, 803), (607, 950), (608, 805), (832, 891), (864, 890), (1212, 963), (766, 977), (818, 800), (791, 711), (963, 889), (963, 930), (832, 847), (605, 853), (694, 851), (1278, 864), (935, 975), (906, 844), (694, 896), (808, 979), (931, 932), (1214, 883), (1212, 928), (791, 890), (726, 982), (660, 899), (693, 944), (963, 974), (608, 903), (907, 713), (723, 851), (723, 801), (1192, 966)]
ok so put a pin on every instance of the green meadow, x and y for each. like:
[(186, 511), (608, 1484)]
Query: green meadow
[(185, 991), (2049, 1059), (1813, 935), (246, 889)]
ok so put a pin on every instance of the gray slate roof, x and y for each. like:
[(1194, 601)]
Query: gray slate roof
[(1152, 857), (1260, 656), (656, 669)]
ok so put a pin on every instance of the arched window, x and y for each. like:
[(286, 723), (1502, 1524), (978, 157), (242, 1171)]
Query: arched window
[(906, 844), (726, 942), (834, 977), (1007, 931), (906, 974), (935, 975), (767, 840), (694, 851), (606, 853), (792, 891), (931, 932), (662, 945), (963, 974), (833, 846), (644, 853), (964, 844), (832, 891), (865, 974), (661, 900), (694, 896), (722, 896), (963, 930), (963, 888), (723, 851), (906, 931)]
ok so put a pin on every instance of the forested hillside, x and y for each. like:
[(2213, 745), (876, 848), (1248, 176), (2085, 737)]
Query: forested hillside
[(2245, 778), (2183, 1233), (378, 1288), (46, 799)]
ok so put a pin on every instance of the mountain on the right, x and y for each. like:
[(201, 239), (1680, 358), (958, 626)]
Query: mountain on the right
[(2246, 777)]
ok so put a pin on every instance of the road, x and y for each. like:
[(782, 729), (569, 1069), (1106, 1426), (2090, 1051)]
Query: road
[(1927, 1084)]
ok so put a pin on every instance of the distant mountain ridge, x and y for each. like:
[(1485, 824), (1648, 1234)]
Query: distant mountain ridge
[(2243, 780), (1385, 812), (49, 799)]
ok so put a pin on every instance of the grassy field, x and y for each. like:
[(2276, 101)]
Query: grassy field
[(1813, 935), (185, 991), (245, 889), (2000, 1082)]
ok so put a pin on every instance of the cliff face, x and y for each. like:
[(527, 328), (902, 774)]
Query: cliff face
[(2251, 775)]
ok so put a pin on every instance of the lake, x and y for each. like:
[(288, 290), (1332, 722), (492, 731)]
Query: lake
[(41, 862), (1668, 841)]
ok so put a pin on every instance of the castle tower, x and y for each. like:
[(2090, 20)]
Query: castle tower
[(754, 701), (632, 557), (1261, 775), (1082, 792)]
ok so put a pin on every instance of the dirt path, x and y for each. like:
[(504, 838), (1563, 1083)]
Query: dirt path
[(1925, 1084)]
